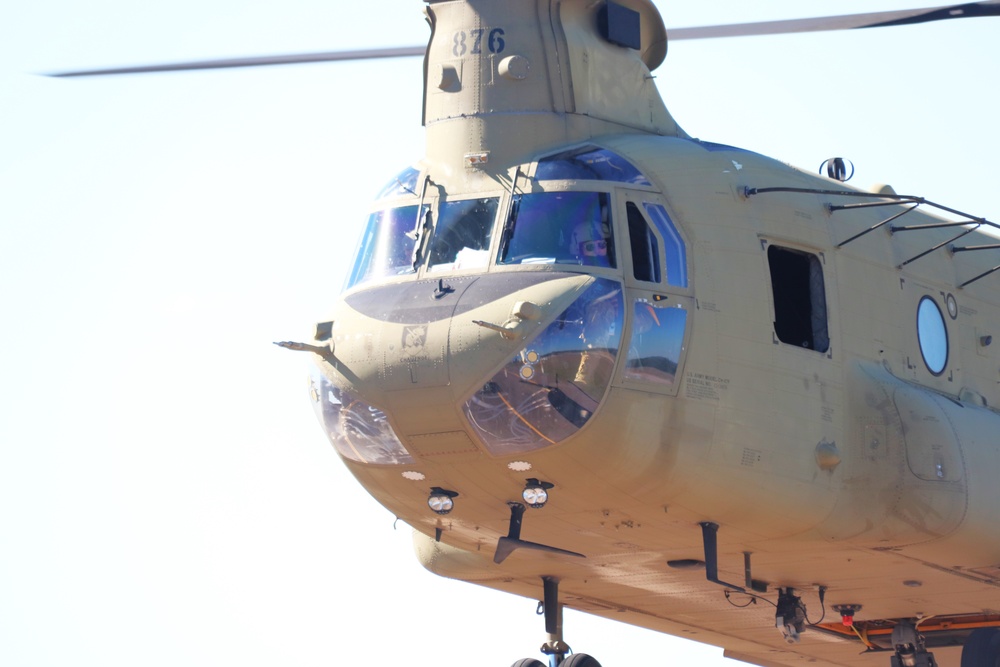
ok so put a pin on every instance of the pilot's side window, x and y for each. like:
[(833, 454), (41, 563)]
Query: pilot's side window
[(799, 298), (645, 248), (673, 245)]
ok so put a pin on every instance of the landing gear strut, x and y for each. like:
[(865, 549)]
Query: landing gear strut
[(910, 649), (554, 647)]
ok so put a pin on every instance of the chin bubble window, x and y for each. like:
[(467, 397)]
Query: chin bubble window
[(357, 430), (552, 386)]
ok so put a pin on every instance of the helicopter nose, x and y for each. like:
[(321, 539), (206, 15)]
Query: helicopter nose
[(418, 350)]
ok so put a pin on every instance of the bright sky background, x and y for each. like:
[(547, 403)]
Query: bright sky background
[(166, 496)]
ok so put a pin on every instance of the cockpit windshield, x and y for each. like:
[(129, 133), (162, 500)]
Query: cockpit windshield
[(386, 247), (564, 226), (560, 228), (461, 237)]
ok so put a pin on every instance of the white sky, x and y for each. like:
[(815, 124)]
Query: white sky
[(166, 496)]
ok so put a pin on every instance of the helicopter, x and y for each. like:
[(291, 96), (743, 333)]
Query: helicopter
[(526, 312)]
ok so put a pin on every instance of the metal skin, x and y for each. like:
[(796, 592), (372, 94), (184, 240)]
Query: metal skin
[(855, 467)]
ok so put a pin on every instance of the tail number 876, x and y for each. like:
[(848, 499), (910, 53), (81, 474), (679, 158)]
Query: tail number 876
[(472, 42)]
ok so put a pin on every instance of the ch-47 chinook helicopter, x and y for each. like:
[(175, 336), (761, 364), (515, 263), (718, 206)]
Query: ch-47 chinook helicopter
[(595, 361)]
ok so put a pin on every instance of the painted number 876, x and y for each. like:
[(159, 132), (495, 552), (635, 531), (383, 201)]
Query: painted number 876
[(471, 42)]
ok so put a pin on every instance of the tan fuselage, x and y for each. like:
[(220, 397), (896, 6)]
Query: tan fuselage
[(854, 463)]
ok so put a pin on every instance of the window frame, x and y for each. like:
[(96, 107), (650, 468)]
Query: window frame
[(820, 258), (639, 199)]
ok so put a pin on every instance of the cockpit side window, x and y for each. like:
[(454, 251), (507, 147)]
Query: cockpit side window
[(645, 248), (386, 247), (461, 238), (657, 340), (676, 255), (560, 228)]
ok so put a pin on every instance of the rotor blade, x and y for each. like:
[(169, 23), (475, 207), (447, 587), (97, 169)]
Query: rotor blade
[(261, 61), (846, 22)]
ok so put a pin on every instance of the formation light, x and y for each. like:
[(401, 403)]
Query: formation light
[(536, 493), (441, 501)]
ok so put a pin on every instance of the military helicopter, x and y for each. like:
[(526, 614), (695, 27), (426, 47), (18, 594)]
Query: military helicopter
[(677, 425)]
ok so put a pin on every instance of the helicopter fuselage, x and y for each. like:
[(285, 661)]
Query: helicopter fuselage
[(644, 334)]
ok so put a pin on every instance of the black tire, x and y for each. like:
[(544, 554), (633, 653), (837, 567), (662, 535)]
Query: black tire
[(982, 648), (584, 660), (528, 662)]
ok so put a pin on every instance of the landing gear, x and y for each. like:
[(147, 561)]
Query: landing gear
[(554, 647), (910, 649), (575, 660), (982, 648), (790, 617)]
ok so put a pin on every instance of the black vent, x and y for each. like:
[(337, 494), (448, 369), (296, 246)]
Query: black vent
[(620, 25)]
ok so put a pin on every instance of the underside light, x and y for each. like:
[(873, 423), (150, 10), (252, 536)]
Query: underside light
[(536, 493), (847, 613), (441, 501)]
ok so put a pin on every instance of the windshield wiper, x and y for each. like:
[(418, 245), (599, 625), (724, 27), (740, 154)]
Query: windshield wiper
[(421, 227), (511, 215)]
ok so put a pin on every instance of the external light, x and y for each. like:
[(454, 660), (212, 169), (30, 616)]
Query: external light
[(441, 501), (536, 493), (847, 613)]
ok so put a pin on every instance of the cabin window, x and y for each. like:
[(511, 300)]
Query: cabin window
[(386, 247), (673, 245), (645, 249), (932, 335), (799, 298), (461, 237), (559, 228), (657, 339), (589, 163)]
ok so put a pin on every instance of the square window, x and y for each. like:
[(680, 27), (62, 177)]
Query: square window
[(799, 298)]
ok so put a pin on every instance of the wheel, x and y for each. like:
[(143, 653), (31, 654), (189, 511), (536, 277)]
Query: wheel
[(528, 662), (584, 660), (982, 648)]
